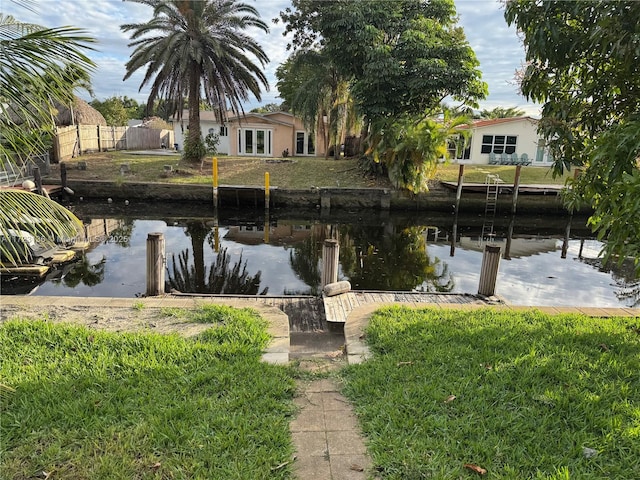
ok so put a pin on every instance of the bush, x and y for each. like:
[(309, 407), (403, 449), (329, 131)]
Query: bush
[(194, 151)]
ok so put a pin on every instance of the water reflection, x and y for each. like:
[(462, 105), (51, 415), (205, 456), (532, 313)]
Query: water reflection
[(391, 258), (187, 277), (253, 253), (83, 271), (305, 263)]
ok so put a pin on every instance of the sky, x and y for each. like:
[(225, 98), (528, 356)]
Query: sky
[(497, 46)]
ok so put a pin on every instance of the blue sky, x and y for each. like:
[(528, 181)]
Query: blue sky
[(497, 46)]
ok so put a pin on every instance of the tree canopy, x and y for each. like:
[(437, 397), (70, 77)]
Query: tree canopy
[(399, 60), (192, 48), (582, 64), (502, 112), (402, 57), (315, 89)]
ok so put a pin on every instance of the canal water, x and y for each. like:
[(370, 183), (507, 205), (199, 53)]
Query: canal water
[(546, 261)]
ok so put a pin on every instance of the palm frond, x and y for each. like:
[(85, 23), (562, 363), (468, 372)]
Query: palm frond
[(49, 222)]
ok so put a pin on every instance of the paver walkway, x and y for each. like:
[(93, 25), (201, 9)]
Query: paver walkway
[(327, 436)]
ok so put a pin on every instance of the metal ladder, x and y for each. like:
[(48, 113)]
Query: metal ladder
[(493, 187)]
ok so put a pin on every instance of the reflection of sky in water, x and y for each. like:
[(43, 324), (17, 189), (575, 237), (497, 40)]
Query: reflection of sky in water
[(543, 279), (125, 272), (540, 279)]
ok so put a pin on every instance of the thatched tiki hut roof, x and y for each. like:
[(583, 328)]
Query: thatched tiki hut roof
[(81, 114)]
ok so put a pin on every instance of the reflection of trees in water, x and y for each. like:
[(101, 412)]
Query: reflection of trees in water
[(121, 235), (624, 276), (389, 258), (82, 271), (222, 277), (305, 263)]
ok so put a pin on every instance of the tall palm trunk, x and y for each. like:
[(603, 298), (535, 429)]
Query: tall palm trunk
[(194, 136)]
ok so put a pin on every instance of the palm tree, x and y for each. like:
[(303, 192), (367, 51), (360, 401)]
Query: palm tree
[(39, 67), (314, 88), (500, 112), (198, 47), (48, 221)]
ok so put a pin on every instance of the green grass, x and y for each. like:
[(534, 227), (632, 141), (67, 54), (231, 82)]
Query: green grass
[(300, 173), (296, 173), (138, 306), (478, 174), (532, 391), (86, 404)]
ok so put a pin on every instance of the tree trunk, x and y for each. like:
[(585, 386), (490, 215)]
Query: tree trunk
[(194, 136)]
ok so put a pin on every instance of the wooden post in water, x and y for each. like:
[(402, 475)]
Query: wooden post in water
[(267, 193), (516, 187), (330, 254), (155, 264), (565, 240), (63, 175), (215, 182), (459, 190), (489, 271), (38, 180)]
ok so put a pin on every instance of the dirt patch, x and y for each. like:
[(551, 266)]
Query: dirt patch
[(112, 319)]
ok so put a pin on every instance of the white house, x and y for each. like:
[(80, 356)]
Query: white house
[(501, 140), (256, 134)]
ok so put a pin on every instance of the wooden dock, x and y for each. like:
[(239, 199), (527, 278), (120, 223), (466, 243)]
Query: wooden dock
[(506, 188), (338, 307)]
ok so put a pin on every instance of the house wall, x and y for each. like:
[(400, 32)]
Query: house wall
[(524, 129), (283, 129), (205, 125), (256, 123)]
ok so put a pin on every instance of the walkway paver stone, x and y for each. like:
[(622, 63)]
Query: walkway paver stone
[(326, 435)]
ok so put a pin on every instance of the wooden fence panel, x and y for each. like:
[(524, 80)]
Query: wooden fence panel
[(143, 139), (112, 138), (73, 141), (65, 145), (88, 135)]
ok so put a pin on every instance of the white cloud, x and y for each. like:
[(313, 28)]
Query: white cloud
[(497, 45)]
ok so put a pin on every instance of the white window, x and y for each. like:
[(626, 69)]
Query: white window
[(499, 143), (224, 132)]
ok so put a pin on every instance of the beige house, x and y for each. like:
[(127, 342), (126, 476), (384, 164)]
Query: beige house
[(494, 139), (257, 134)]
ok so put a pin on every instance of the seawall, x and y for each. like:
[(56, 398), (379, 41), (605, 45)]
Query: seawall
[(437, 199)]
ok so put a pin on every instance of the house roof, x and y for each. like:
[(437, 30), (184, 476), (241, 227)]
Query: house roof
[(498, 121), (211, 116), (259, 116)]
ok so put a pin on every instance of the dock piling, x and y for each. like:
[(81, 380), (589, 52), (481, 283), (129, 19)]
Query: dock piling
[(155, 264), (330, 255), (489, 271), (37, 177)]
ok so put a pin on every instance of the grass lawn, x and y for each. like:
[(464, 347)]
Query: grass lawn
[(478, 174), (88, 404), (520, 395), (295, 173)]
